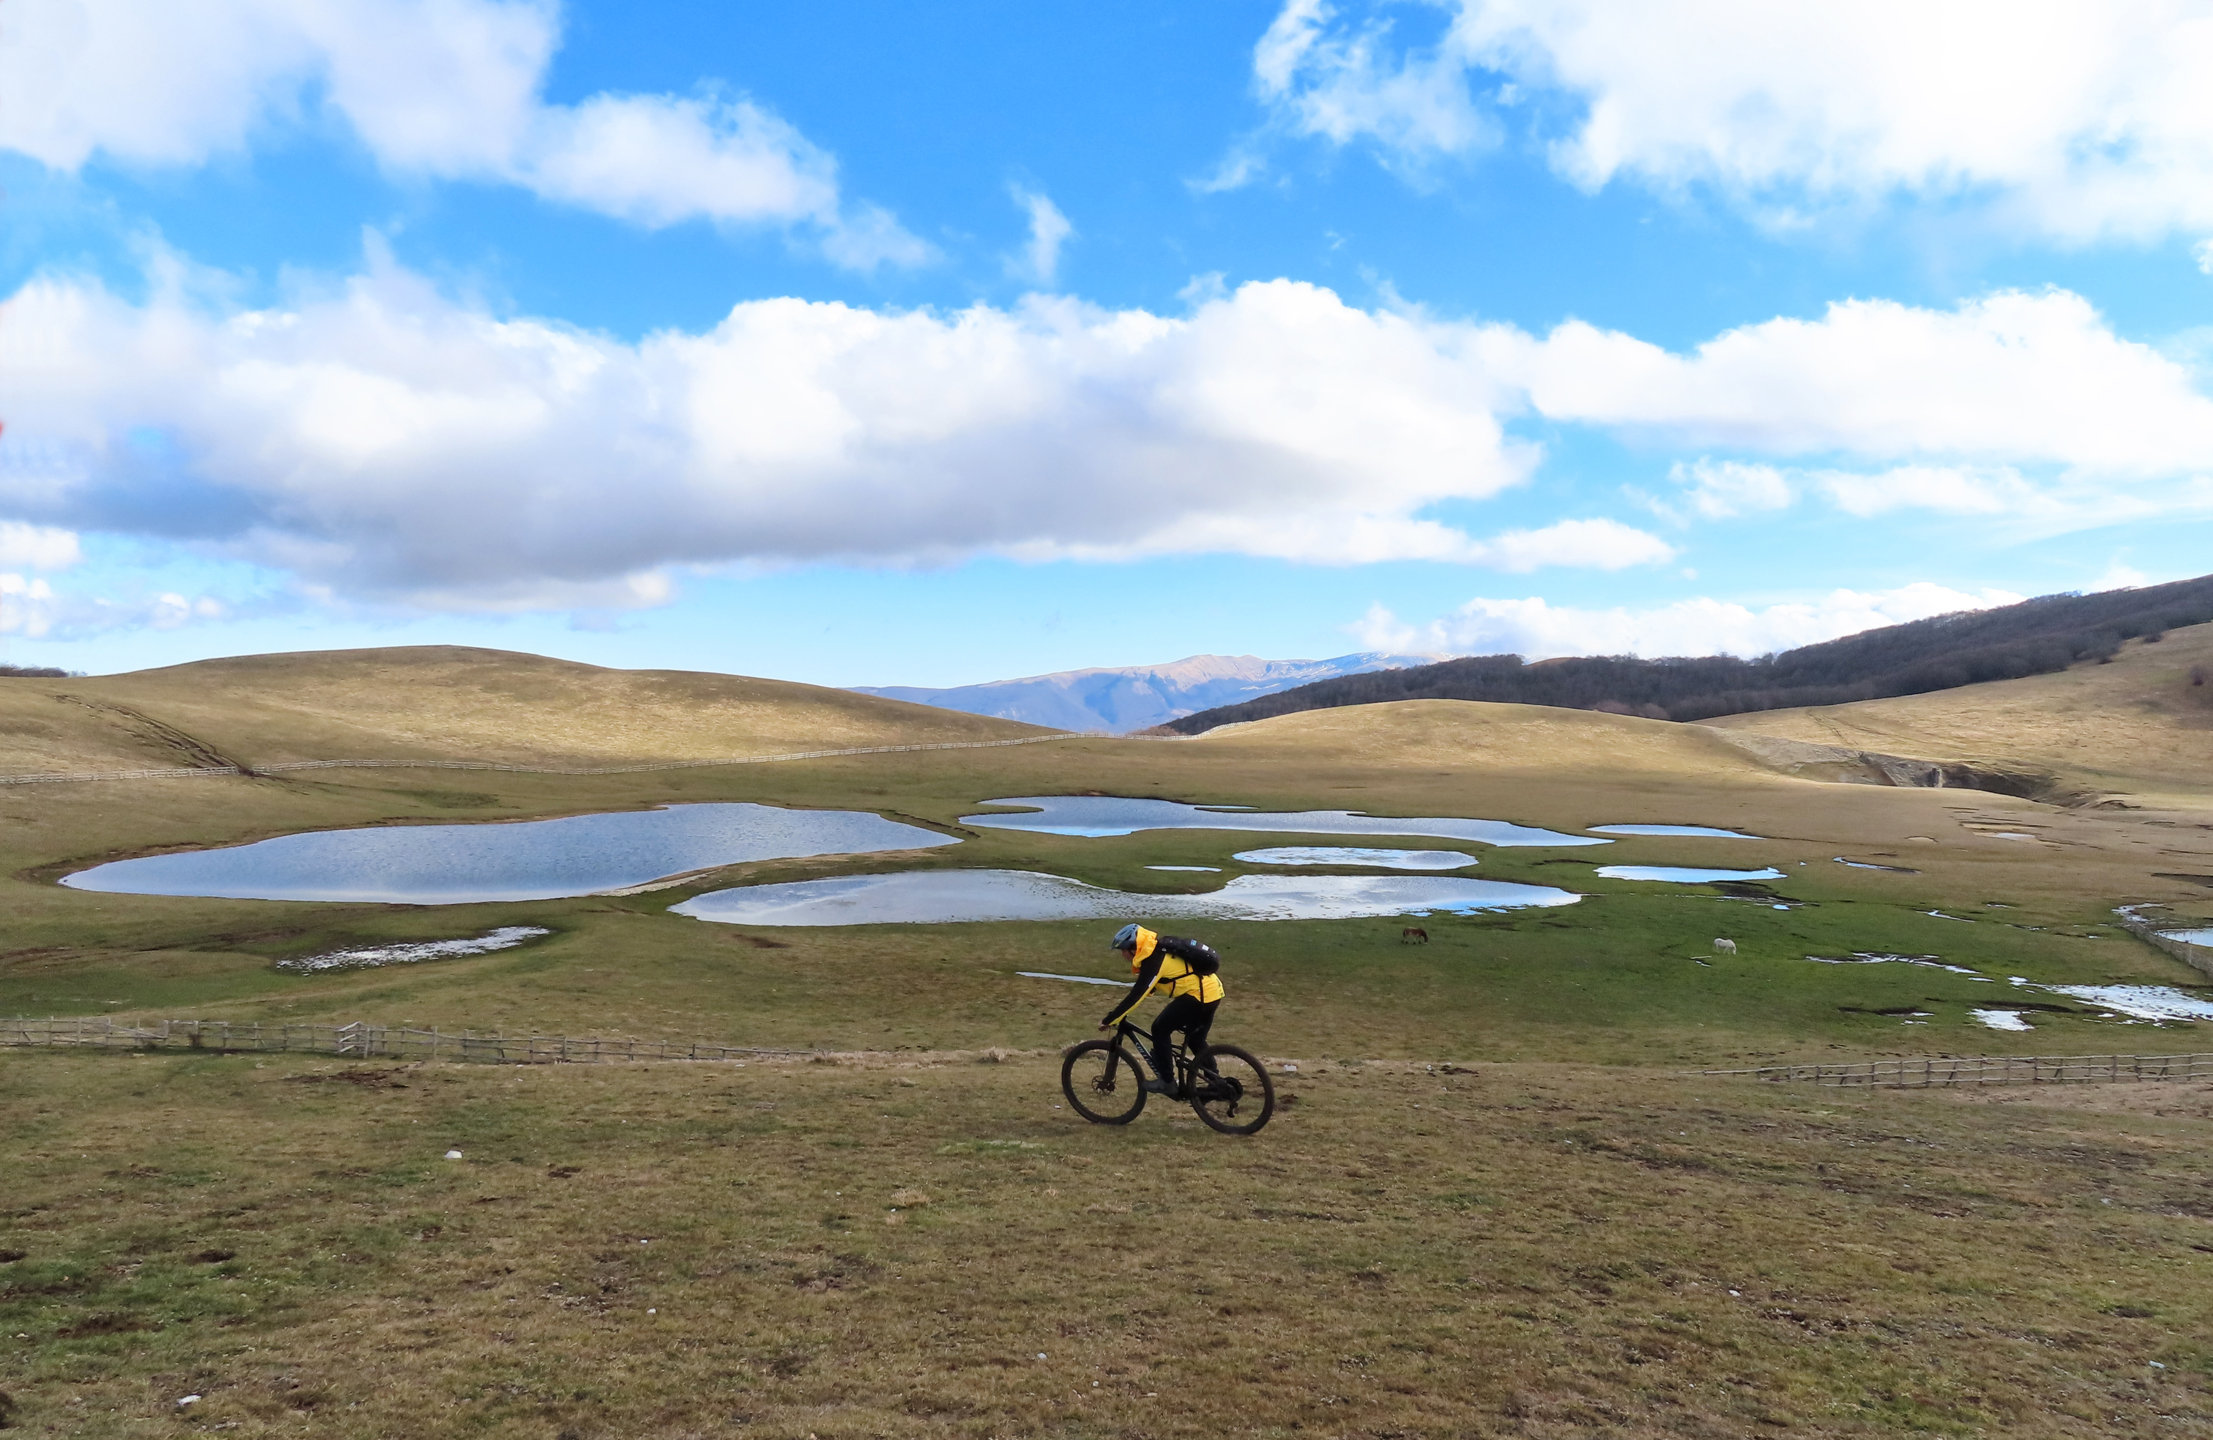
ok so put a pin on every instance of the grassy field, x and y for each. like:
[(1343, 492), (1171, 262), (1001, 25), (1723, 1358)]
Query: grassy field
[(928, 1246), (1494, 1207)]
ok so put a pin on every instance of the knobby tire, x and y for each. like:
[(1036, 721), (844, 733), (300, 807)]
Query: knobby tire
[(1238, 1097), (1103, 1082)]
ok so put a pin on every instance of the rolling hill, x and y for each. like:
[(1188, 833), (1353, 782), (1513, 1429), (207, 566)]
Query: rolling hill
[(2140, 725), (441, 703), (2035, 637)]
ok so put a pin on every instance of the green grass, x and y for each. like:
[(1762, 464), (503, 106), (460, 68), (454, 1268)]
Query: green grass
[(1538, 1238)]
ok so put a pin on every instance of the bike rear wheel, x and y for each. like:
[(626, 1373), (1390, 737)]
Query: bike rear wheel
[(1238, 1097), (1102, 1082)]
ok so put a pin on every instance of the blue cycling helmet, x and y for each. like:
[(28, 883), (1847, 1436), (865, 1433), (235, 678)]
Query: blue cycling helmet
[(1125, 938)]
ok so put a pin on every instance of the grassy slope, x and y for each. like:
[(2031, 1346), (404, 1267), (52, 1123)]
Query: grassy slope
[(442, 703), (2136, 727), (1541, 1249)]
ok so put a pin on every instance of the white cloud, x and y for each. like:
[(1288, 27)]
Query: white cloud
[(444, 89), (2082, 118), (1721, 489), (2010, 377), (32, 608), (26, 606), (37, 547), (2202, 252), (1343, 82), (384, 440), (1588, 544), (1049, 230), (1536, 630)]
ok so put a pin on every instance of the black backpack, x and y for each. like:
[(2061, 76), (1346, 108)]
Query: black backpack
[(1197, 954)]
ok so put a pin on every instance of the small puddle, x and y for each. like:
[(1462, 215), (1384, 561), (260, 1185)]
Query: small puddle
[(505, 860), (931, 897), (1685, 875), (505, 938), (1871, 865), (1102, 815), (1706, 830), (1877, 957), (2189, 937), (2002, 1019), (1075, 979), (1357, 855), (1191, 869)]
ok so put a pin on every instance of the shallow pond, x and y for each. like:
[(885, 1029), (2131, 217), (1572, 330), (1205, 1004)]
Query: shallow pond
[(2190, 937), (508, 860), (1099, 815), (1356, 855), (1683, 874), (928, 897), (1706, 830), (2002, 1019)]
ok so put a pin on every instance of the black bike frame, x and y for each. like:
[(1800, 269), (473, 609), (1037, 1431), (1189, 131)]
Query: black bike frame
[(1141, 1041)]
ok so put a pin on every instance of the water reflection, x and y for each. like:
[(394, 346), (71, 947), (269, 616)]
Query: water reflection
[(941, 896), (1099, 815), (1683, 874), (511, 860), (1356, 855), (1706, 830)]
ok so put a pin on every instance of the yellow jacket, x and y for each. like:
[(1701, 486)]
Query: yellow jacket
[(1159, 972)]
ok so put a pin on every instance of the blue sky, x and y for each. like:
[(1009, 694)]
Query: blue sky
[(875, 344)]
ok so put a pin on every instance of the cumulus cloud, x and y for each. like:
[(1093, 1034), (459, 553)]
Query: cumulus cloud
[(2087, 118), (31, 607), (1039, 261), (444, 89), (37, 547), (2011, 377), (1536, 630), (381, 439), (1722, 489)]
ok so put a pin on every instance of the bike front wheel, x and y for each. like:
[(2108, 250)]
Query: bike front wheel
[(1102, 1082), (1236, 1097)]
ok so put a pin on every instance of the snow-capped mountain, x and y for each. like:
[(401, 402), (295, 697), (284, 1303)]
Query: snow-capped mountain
[(1136, 697)]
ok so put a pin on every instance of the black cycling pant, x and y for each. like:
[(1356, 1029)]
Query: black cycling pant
[(1194, 1018)]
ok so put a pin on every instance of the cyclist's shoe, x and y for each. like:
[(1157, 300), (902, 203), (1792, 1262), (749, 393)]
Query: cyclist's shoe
[(1159, 1087)]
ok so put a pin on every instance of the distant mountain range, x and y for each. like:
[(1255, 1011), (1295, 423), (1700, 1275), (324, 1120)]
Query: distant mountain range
[(1138, 697), (2035, 637)]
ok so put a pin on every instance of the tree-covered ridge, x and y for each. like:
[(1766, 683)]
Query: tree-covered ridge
[(2035, 637)]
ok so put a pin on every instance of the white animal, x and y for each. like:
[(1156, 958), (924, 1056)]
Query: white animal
[(1725, 947)]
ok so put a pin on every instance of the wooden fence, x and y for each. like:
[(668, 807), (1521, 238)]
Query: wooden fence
[(2198, 957), (359, 1041), (1989, 1070)]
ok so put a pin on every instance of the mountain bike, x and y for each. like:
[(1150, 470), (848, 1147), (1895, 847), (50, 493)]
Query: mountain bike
[(1105, 1081)]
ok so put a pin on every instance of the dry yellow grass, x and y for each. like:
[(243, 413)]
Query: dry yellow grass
[(932, 1249), (1496, 739), (2136, 727), (442, 703)]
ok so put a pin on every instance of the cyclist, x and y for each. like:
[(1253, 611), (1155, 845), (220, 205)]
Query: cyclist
[(1163, 964)]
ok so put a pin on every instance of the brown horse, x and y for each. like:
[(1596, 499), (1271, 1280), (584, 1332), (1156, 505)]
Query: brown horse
[(1413, 935)]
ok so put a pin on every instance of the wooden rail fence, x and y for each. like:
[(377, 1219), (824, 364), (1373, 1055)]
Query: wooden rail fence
[(2198, 957), (1989, 1070), (359, 1041)]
